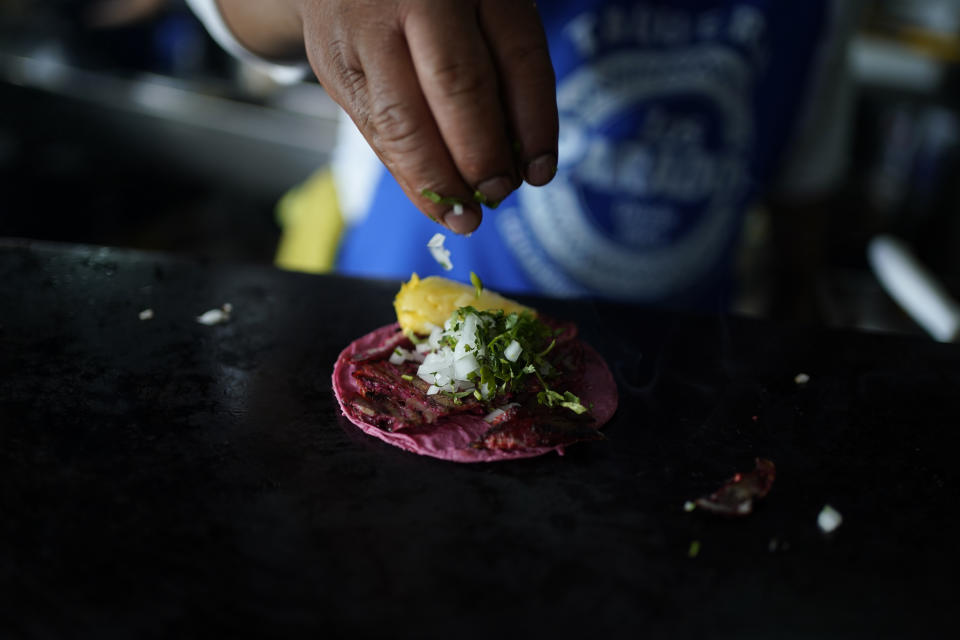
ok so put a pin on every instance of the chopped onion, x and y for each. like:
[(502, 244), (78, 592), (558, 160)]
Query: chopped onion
[(440, 254), (493, 415), (434, 339), (365, 409), (435, 362), (496, 413), (401, 355), (464, 366), (467, 339), (446, 368), (829, 519), (216, 316), (512, 352)]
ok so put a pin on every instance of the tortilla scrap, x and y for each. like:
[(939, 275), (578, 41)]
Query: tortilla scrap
[(736, 496)]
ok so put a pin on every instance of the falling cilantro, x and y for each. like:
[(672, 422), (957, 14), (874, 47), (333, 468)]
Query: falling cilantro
[(477, 284)]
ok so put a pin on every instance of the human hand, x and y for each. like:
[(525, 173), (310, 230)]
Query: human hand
[(456, 97)]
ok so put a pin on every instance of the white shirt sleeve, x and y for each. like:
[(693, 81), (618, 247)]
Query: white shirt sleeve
[(209, 14), (356, 169)]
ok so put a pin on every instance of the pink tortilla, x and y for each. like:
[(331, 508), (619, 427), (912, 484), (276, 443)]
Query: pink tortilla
[(450, 438)]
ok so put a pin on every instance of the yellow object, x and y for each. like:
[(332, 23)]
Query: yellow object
[(421, 303), (312, 224)]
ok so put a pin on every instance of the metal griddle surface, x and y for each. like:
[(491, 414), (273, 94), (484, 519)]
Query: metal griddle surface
[(163, 478)]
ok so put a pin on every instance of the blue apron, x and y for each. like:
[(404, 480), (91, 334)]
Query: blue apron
[(673, 118)]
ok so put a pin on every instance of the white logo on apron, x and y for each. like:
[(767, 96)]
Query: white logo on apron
[(675, 186)]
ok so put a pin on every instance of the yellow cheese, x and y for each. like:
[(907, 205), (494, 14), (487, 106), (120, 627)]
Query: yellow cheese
[(430, 301)]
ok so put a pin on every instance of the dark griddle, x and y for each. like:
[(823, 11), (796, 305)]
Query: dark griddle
[(167, 479)]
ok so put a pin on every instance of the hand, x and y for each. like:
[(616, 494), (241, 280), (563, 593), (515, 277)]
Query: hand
[(455, 96)]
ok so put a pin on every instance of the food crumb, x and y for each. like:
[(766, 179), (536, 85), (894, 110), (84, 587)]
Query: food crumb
[(776, 544), (694, 549), (146, 314), (801, 378), (829, 519), (216, 316)]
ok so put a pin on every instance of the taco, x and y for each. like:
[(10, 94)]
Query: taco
[(469, 376)]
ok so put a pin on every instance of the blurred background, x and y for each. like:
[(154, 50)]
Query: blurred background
[(123, 124)]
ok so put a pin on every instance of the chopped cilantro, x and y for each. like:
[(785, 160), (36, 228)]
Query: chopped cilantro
[(567, 400), (495, 332), (484, 200), (436, 198), (477, 284), (413, 337), (549, 348)]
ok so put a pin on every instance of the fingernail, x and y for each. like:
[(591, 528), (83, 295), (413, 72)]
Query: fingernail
[(462, 220), (541, 170), (495, 189)]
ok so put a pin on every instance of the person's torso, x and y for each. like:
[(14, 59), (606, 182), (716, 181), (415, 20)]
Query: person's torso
[(673, 116)]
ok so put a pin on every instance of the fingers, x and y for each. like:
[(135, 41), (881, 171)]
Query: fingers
[(460, 84), (402, 129), (443, 90), (375, 81), (527, 83)]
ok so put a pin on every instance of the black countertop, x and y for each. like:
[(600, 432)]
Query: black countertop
[(162, 478)]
